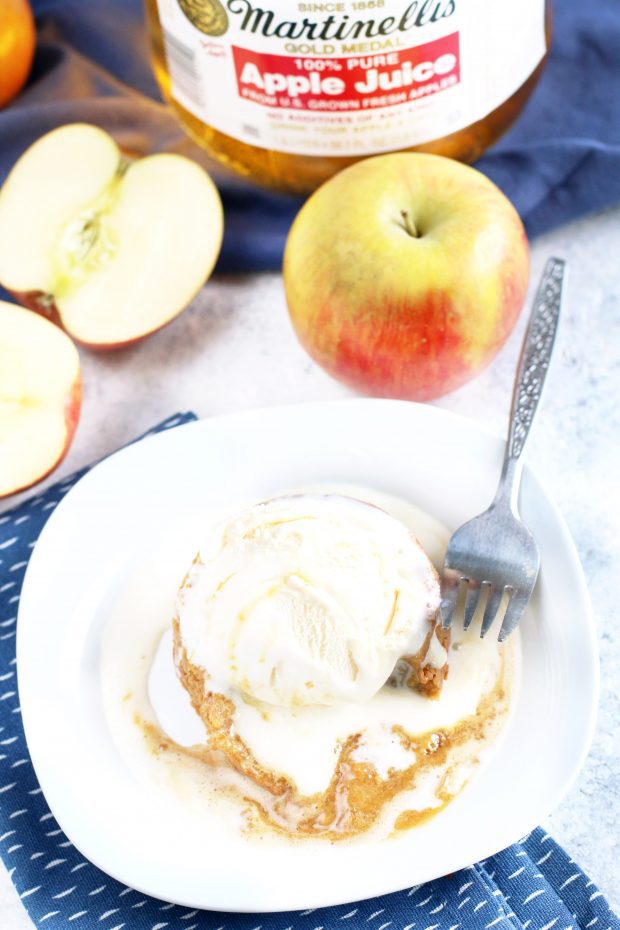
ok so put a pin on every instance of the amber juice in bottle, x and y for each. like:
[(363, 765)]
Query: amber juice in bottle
[(287, 93)]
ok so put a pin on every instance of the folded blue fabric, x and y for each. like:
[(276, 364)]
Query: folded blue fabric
[(560, 161), (533, 885)]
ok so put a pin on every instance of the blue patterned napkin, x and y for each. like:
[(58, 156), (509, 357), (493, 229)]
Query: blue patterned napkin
[(533, 885)]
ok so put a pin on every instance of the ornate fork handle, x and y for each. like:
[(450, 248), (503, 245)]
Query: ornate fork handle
[(532, 370)]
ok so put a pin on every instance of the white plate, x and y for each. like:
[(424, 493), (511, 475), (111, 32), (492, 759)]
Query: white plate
[(445, 464)]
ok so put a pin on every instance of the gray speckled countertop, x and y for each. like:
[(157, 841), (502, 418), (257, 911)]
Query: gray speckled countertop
[(234, 349)]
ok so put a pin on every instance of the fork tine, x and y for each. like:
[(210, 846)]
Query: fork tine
[(490, 611), (450, 585), (471, 602), (514, 612)]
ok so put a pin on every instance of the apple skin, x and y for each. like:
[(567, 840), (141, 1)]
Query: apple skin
[(73, 407), (405, 274)]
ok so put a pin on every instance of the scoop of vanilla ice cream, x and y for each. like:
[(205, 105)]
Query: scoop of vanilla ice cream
[(306, 599)]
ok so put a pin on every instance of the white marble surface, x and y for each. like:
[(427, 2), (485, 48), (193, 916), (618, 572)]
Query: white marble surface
[(234, 349)]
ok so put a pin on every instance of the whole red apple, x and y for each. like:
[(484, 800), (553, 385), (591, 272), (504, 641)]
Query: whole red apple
[(405, 274)]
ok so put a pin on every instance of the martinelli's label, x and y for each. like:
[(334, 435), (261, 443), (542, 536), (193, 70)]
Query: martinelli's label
[(348, 77)]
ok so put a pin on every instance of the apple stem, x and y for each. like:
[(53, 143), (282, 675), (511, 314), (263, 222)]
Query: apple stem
[(410, 226)]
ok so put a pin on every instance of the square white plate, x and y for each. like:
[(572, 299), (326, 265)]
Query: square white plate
[(445, 464)]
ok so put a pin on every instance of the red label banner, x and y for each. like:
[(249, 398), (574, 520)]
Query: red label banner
[(356, 82)]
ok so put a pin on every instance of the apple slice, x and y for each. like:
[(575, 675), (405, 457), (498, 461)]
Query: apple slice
[(111, 250), (40, 396)]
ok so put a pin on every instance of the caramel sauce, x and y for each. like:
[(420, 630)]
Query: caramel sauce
[(410, 819), (357, 795)]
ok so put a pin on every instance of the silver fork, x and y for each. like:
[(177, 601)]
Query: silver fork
[(494, 551)]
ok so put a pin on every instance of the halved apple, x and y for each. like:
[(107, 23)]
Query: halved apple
[(40, 396), (111, 250)]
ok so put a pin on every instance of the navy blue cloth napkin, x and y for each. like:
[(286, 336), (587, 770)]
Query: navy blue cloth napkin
[(561, 160), (533, 885)]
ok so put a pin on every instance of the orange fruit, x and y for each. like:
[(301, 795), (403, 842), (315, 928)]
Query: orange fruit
[(17, 42)]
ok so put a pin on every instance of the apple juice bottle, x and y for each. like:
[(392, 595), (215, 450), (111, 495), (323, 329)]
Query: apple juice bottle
[(288, 92)]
